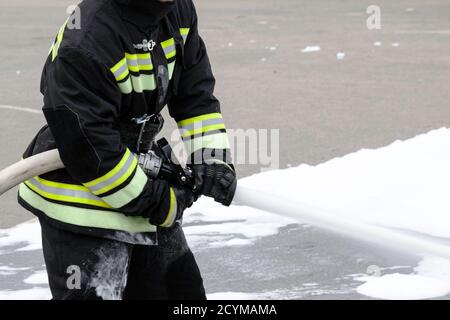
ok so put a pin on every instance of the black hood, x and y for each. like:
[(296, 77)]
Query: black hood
[(144, 13)]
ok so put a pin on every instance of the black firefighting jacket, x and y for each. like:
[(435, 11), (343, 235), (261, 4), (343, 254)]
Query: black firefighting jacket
[(106, 67)]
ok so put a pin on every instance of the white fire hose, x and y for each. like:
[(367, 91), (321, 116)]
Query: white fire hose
[(332, 221), (50, 161), (29, 168)]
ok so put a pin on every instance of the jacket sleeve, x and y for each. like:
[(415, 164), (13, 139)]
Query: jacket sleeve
[(194, 106), (82, 105)]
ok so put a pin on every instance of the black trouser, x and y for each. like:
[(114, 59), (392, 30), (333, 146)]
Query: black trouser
[(82, 267)]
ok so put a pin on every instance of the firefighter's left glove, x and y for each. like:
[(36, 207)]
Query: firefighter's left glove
[(216, 180), (185, 199)]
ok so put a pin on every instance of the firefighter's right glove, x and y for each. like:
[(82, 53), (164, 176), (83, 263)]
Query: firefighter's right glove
[(216, 180), (173, 204)]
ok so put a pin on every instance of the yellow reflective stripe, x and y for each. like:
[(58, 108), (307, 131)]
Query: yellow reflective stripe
[(51, 48), (200, 118), (123, 75), (120, 65), (171, 216), (213, 141), (59, 39), (169, 48), (128, 193), (141, 67), (54, 51), (184, 31), (121, 180), (60, 185), (137, 56), (132, 62), (189, 133), (168, 43), (65, 198), (110, 173), (201, 124), (135, 62), (102, 219), (133, 68), (99, 181), (61, 32), (171, 54)]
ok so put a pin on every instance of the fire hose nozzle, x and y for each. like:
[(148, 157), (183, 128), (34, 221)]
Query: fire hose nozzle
[(150, 163)]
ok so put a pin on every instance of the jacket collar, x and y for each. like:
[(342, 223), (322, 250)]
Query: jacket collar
[(144, 13)]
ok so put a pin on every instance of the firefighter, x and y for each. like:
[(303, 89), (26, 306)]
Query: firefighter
[(108, 230)]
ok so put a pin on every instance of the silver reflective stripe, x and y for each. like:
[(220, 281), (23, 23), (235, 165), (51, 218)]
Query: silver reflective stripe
[(121, 70), (169, 49), (115, 177), (145, 61), (63, 192), (133, 63), (130, 192), (202, 124), (135, 60), (215, 141)]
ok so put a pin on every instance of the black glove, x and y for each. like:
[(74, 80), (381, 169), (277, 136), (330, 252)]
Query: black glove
[(173, 201), (216, 180), (185, 199)]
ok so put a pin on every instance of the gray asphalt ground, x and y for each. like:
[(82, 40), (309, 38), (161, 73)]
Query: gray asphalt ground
[(324, 108)]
